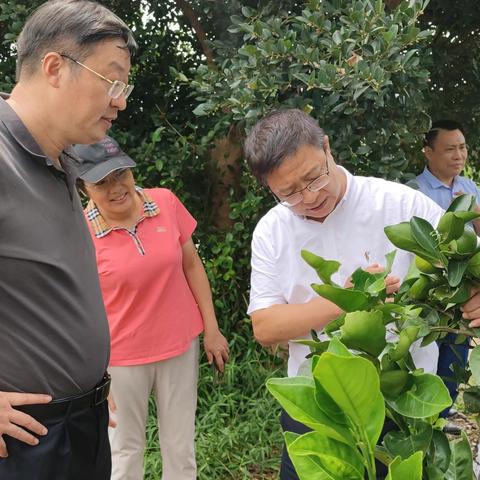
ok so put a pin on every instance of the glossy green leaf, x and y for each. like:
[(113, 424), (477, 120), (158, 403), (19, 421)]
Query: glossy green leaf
[(450, 227), (410, 469), (467, 216), (348, 300), (455, 272), (473, 267), (462, 203), (461, 462), (364, 331), (471, 399), (439, 451), (297, 396), (390, 258), (474, 363), (427, 397), (401, 236), (425, 235), (354, 385), (338, 348), (404, 445), (324, 268), (316, 456)]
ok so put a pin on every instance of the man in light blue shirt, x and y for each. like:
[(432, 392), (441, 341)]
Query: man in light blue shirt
[(446, 152)]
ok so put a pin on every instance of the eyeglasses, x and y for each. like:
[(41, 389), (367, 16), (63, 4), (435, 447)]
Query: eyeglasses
[(117, 87), (113, 177), (314, 186)]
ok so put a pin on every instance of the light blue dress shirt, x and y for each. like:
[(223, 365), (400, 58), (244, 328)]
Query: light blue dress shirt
[(440, 193)]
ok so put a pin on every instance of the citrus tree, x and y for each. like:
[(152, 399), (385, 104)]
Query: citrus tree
[(360, 375)]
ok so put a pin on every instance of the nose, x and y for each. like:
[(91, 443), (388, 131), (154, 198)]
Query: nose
[(119, 103), (309, 197)]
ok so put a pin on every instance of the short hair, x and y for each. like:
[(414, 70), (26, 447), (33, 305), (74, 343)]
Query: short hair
[(438, 125), (71, 27), (276, 137)]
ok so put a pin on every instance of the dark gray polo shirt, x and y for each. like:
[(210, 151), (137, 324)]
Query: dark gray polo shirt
[(53, 329)]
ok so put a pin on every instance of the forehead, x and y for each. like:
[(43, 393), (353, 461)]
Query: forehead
[(449, 137), (111, 55)]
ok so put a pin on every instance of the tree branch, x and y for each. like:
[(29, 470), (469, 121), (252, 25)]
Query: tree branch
[(192, 17)]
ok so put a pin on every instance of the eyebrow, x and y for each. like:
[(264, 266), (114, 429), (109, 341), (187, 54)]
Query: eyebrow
[(114, 64), (304, 178)]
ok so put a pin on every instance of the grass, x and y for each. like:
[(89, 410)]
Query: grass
[(238, 435)]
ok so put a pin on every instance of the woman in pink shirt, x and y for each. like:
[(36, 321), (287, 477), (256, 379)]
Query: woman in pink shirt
[(158, 300)]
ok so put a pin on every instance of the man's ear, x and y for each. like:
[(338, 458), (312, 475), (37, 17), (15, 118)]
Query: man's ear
[(53, 68), (427, 151)]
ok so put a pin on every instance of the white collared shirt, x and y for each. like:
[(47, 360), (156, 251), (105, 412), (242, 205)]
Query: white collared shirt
[(352, 234)]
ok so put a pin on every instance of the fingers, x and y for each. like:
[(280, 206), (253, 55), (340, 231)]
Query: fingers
[(18, 420), (471, 309), (15, 398), (111, 403), (3, 449), (111, 422), (392, 284)]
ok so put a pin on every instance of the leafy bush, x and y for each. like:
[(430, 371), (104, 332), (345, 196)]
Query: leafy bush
[(351, 391)]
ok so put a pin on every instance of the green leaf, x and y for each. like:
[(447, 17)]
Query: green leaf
[(390, 258), (428, 396), (364, 331), (401, 236), (461, 462), (471, 399), (316, 457), (335, 325), (474, 363), (338, 348), (467, 216), (347, 299), (439, 452), (450, 227), (425, 235), (354, 385), (462, 202), (297, 396), (410, 469), (324, 268), (404, 445), (456, 270)]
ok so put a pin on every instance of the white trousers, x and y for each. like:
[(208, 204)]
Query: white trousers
[(174, 384)]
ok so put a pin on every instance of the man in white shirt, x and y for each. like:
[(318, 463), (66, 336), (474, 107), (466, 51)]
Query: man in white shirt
[(324, 209)]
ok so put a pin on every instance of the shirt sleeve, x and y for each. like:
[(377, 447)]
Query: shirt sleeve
[(265, 290), (427, 209), (185, 221)]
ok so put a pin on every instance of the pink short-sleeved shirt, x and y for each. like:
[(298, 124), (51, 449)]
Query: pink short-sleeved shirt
[(151, 310)]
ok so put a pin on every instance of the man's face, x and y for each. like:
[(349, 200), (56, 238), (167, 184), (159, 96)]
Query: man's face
[(298, 171), (88, 110), (447, 157)]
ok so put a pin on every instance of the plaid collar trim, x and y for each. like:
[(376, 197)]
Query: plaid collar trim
[(101, 228)]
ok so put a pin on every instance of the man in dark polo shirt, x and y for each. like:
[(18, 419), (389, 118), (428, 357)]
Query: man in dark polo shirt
[(72, 80)]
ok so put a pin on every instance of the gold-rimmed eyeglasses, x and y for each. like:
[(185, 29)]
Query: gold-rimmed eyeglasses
[(117, 87), (314, 186)]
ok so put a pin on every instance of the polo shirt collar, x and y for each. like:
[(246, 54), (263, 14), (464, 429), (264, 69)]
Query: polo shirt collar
[(18, 130), (433, 181), (101, 228)]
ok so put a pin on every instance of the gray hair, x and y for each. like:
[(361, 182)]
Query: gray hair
[(278, 136), (67, 26)]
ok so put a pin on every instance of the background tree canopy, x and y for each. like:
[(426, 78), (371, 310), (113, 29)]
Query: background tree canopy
[(374, 73)]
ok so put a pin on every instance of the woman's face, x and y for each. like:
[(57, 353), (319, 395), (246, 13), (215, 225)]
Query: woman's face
[(114, 195)]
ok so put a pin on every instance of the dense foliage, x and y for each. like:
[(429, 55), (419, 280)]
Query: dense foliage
[(363, 374), (360, 66)]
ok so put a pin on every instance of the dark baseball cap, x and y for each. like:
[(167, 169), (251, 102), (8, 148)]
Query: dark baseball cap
[(100, 159)]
